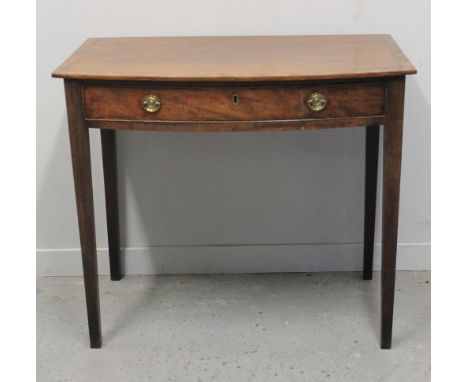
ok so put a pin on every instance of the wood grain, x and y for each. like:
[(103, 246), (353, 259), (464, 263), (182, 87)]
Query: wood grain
[(348, 100), (194, 104), (260, 103), (362, 76), (223, 126), (372, 164), (109, 162), (393, 133), (240, 58), (81, 160)]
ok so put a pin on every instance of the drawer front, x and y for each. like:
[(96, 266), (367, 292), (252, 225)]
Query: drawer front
[(234, 103), (195, 104)]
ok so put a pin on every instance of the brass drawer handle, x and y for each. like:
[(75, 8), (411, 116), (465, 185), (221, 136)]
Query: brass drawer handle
[(151, 103), (316, 101)]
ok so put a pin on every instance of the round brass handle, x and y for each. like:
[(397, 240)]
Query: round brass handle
[(151, 103), (316, 101)]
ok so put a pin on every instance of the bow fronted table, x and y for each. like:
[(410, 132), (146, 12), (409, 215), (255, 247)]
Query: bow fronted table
[(262, 83)]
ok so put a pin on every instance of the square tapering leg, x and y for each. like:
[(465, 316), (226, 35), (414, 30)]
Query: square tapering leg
[(81, 160), (393, 132), (372, 164), (109, 161)]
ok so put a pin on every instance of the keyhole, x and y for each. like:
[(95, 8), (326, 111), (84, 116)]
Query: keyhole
[(235, 99)]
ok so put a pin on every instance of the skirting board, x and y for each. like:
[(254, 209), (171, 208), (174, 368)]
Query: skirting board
[(233, 259)]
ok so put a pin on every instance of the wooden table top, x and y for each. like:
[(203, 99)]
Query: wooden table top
[(248, 58)]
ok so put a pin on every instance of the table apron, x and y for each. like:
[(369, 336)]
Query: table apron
[(226, 126), (234, 108)]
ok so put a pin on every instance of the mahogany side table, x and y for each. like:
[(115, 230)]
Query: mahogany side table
[(262, 83)]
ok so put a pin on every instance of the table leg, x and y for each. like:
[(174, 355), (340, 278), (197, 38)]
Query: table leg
[(81, 160), (393, 131), (109, 161), (372, 163)]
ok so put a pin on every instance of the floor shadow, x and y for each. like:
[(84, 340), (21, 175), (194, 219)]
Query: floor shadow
[(268, 286)]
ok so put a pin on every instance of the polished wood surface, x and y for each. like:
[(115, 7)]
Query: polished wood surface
[(81, 160), (229, 126), (261, 103), (253, 58), (392, 147), (362, 77), (370, 196), (109, 164), (195, 104)]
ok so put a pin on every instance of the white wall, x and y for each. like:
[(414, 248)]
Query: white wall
[(230, 202)]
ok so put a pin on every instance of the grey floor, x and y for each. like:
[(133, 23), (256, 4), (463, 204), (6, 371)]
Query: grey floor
[(264, 327)]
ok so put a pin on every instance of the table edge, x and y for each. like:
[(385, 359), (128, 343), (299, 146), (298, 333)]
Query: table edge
[(358, 76), (62, 71)]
